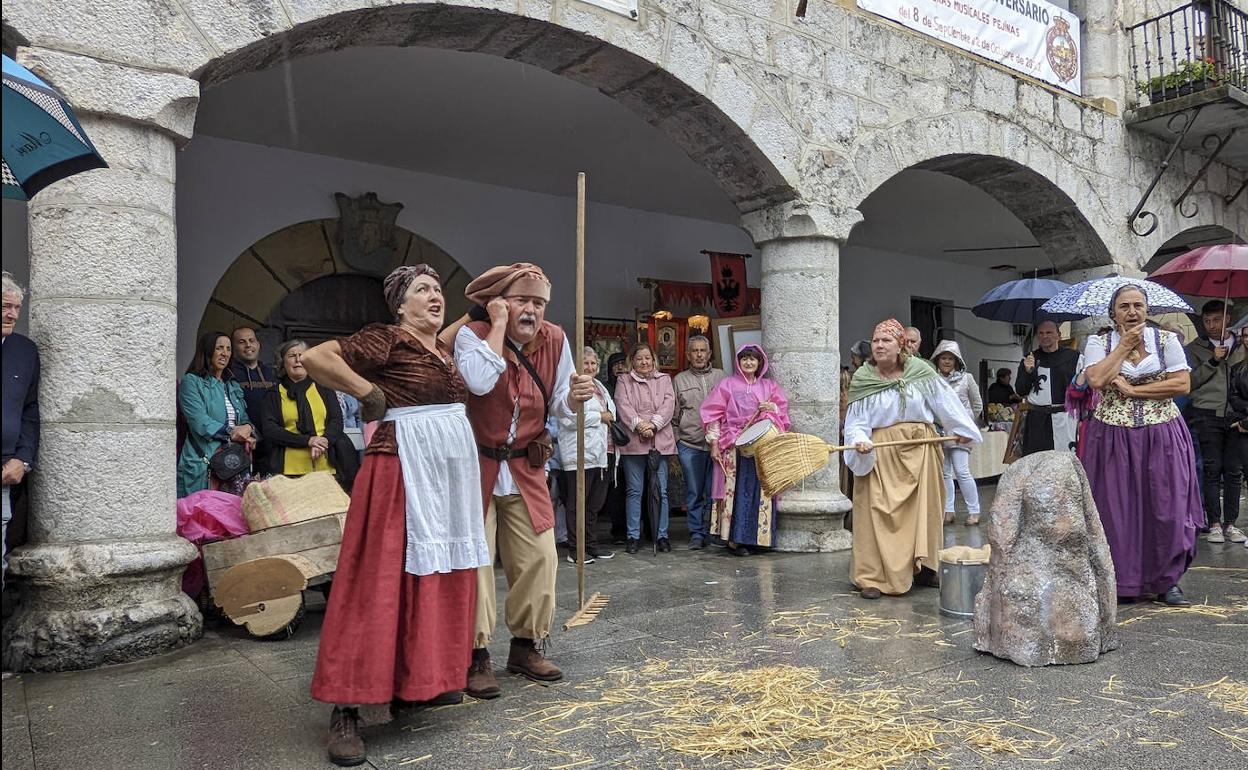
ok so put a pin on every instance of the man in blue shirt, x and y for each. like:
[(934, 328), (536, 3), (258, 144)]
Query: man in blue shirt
[(20, 404)]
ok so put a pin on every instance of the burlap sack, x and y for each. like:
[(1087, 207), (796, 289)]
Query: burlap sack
[(283, 500)]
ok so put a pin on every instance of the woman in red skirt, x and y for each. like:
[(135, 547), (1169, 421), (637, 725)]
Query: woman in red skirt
[(399, 626)]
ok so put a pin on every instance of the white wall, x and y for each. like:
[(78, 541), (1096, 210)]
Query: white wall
[(232, 194), (878, 284)]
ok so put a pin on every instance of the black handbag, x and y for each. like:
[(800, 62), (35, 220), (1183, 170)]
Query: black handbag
[(620, 435), (229, 461)]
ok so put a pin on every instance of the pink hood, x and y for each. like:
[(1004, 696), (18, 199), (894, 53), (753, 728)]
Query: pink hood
[(733, 403)]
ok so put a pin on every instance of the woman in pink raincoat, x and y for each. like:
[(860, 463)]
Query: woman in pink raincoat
[(744, 514)]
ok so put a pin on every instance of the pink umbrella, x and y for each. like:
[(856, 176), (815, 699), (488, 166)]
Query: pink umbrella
[(1208, 271)]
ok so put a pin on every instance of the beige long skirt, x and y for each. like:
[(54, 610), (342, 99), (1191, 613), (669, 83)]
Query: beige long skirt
[(897, 511)]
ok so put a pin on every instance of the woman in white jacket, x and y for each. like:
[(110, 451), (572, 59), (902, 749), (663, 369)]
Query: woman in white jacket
[(599, 414), (948, 360)]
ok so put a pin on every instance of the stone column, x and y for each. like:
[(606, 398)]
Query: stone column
[(100, 577), (801, 333)]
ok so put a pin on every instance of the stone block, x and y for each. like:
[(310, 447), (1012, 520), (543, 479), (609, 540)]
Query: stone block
[(873, 115), (608, 69), (645, 37), (799, 54), (1093, 123), (91, 354), (804, 304), (733, 93), (689, 58), (849, 72), (685, 12), (1035, 101), (827, 118), (301, 11), (1069, 112), (112, 187), (553, 51), (735, 33), (777, 138), (829, 176), (875, 161), (131, 146), (994, 91), (147, 33), (826, 21), (103, 251), (586, 19), (158, 99), (815, 375), (105, 482), (232, 24), (817, 418)]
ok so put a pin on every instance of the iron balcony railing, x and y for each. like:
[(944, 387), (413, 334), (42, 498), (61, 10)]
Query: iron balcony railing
[(1199, 45)]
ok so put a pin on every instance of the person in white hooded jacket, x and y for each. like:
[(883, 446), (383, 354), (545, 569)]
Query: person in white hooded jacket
[(599, 414), (951, 366)]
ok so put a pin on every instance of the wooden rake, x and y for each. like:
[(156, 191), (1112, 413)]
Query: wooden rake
[(589, 610)]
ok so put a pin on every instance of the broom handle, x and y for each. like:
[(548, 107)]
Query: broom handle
[(905, 442), (580, 412)]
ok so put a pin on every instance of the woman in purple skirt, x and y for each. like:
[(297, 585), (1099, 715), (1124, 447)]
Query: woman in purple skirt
[(1138, 453)]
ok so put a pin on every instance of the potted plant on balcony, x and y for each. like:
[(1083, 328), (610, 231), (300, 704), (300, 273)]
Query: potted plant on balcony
[(1188, 78)]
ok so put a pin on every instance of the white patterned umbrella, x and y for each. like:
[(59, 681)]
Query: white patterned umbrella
[(1091, 298)]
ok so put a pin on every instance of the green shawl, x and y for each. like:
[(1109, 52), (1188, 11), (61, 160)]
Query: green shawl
[(868, 382)]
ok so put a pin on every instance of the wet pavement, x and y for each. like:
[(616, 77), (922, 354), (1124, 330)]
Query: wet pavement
[(677, 630)]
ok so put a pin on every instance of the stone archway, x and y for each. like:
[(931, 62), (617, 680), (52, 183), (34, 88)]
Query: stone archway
[(261, 286), (661, 86)]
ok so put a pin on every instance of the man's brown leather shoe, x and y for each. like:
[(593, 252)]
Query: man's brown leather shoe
[(345, 745), (524, 659), (482, 683)]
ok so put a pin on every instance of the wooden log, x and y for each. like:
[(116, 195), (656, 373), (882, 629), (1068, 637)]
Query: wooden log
[(324, 560)]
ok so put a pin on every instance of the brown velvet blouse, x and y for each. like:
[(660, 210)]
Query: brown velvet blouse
[(407, 373)]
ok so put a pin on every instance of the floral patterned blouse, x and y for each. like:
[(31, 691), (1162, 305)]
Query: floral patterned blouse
[(1163, 355)]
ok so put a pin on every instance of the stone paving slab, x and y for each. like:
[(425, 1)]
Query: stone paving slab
[(233, 702)]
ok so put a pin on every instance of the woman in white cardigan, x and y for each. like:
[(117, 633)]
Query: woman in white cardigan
[(599, 414), (948, 360)]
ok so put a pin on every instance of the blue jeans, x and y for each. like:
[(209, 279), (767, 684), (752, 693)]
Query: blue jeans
[(696, 464), (635, 473)]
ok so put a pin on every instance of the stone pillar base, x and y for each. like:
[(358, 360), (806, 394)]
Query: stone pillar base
[(90, 604), (811, 521)]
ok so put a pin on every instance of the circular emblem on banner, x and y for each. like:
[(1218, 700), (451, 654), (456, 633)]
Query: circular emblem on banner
[(1062, 52)]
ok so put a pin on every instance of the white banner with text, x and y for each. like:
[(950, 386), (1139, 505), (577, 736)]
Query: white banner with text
[(1034, 37)]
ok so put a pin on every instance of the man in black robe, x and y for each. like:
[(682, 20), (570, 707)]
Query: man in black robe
[(1043, 377)]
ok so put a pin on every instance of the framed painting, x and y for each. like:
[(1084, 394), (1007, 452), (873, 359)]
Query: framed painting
[(727, 334), (668, 340)]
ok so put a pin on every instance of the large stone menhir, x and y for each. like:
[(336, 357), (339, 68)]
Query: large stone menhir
[(1050, 595)]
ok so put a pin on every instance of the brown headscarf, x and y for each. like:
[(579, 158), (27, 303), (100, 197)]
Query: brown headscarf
[(520, 279), (395, 286), (893, 328)]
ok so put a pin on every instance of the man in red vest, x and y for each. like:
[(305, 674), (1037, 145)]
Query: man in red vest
[(519, 369)]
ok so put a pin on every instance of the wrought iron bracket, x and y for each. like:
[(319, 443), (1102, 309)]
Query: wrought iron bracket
[(1181, 203), (1179, 124)]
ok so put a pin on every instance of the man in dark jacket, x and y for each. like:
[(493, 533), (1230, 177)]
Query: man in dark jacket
[(256, 379), (20, 404), (1043, 377), (1211, 360)]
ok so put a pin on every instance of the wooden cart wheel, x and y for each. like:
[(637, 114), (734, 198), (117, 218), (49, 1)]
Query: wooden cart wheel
[(265, 595), (287, 613)]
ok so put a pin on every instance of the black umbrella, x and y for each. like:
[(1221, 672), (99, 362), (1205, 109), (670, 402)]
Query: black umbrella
[(654, 493)]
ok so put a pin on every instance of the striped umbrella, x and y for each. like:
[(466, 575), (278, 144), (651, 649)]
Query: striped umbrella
[(43, 141)]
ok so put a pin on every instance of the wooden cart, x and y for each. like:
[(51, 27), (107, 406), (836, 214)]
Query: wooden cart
[(258, 579)]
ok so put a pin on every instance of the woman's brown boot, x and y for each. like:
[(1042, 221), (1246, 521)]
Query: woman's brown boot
[(346, 745)]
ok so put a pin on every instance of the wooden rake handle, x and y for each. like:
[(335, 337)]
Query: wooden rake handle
[(905, 442)]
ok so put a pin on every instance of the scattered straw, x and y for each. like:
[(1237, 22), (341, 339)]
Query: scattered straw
[(779, 716)]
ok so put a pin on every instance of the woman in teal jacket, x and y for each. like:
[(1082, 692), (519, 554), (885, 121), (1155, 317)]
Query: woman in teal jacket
[(214, 410)]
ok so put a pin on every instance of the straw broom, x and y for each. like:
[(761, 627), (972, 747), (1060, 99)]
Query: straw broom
[(786, 460), (588, 611)]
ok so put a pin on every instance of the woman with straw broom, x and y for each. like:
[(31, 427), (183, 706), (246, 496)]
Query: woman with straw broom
[(743, 513), (899, 491)]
